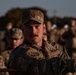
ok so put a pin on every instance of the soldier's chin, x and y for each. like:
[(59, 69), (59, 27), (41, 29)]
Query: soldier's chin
[(34, 38), (34, 41)]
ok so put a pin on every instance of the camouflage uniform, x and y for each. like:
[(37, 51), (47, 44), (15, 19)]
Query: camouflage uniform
[(6, 54), (33, 60), (2, 66)]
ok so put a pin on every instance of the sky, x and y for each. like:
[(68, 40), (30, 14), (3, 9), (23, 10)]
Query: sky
[(60, 8)]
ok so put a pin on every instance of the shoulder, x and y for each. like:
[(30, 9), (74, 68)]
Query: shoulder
[(56, 45), (20, 50), (2, 65), (6, 52), (26, 51)]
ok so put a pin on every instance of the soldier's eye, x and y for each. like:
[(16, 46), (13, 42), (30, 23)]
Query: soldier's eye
[(37, 26)]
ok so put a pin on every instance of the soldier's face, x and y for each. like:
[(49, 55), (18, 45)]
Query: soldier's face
[(16, 42), (33, 32), (13, 43)]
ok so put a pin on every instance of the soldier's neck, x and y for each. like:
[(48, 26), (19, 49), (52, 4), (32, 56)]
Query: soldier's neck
[(39, 44)]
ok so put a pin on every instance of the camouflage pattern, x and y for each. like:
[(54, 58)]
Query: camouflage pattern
[(33, 60), (2, 66), (6, 55), (16, 33), (63, 54), (35, 15), (54, 35)]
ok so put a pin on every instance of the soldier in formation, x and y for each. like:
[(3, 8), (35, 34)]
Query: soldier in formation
[(36, 56)]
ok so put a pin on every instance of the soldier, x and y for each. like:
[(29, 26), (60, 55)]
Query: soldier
[(16, 38), (36, 56), (9, 26)]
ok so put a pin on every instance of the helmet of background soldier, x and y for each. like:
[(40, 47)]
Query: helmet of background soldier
[(16, 33)]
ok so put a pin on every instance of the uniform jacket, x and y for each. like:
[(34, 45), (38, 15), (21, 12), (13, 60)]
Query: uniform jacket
[(33, 60)]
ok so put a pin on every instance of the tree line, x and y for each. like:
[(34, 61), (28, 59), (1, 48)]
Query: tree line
[(14, 15)]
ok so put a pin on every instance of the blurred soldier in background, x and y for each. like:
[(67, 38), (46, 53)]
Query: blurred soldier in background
[(15, 39), (70, 39), (9, 26), (48, 26)]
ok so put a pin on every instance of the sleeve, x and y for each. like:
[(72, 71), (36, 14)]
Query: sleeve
[(63, 54), (62, 51)]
